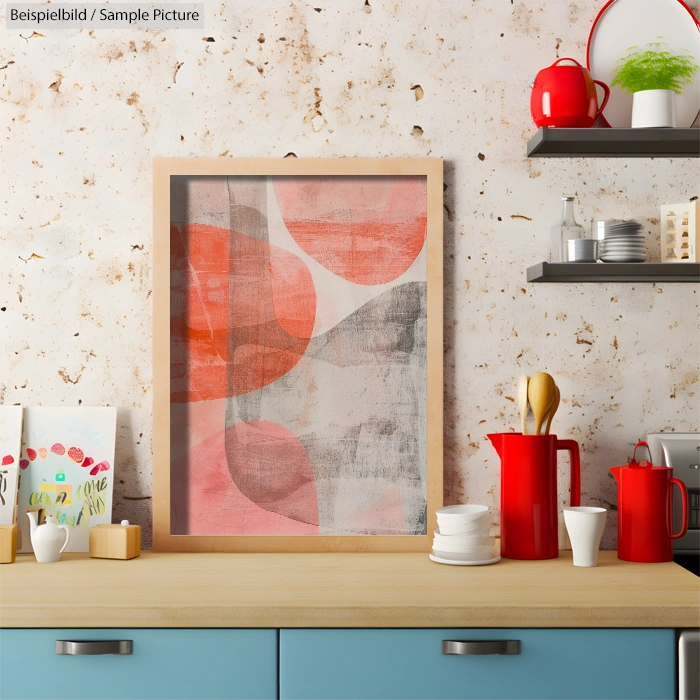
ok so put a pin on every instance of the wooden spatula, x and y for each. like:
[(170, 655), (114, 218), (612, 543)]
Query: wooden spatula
[(552, 409), (541, 392)]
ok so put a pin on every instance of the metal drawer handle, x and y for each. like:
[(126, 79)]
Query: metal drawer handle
[(93, 647), (479, 648)]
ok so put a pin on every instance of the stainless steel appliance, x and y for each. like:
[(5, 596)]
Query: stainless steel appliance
[(688, 664), (682, 452)]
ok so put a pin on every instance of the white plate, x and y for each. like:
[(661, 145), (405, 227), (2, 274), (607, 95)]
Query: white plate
[(462, 513), (609, 245), (463, 556), (622, 249), (624, 246), (638, 253), (476, 539), (482, 525), (455, 562), (483, 550), (624, 23)]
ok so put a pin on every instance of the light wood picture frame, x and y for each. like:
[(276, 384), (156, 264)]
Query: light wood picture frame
[(369, 211)]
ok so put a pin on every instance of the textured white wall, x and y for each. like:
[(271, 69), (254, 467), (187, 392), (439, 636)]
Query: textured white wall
[(84, 113)]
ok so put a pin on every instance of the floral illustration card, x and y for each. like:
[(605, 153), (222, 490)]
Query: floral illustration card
[(10, 439), (67, 468)]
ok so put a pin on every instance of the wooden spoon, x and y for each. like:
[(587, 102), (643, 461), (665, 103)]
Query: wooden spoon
[(552, 409), (522, 403), (541, 393)]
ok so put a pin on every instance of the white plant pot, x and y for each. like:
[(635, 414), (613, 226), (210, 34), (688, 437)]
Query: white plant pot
[(653, 108)]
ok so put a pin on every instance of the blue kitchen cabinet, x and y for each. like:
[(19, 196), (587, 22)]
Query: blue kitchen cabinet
[(409, 663), (165, 663)]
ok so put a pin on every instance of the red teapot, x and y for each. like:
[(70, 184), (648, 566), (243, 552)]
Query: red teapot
[(565, 96), (644, 510)]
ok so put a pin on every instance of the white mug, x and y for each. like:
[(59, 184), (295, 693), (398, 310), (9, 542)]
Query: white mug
[(585, 526)]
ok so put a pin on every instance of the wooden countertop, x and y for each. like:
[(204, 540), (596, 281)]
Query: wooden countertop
[(342, 590)]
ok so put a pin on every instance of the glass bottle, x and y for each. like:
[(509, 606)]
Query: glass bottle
[(565, 230)]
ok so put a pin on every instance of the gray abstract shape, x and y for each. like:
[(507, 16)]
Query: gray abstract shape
[(357, 402), (247, 204)]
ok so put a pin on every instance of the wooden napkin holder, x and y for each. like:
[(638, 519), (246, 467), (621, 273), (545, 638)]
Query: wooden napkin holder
[(8, 543), (115, 541)]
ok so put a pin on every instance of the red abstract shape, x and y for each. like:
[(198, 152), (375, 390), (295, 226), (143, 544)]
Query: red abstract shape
[(42, 452), (269, 465), (7, 459), (76, 454), (58, 449), (366, 230), (242, 312), (23, 463), (31, 453), (94, 470), (87, 462)]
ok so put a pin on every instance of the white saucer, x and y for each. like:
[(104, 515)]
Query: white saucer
[(456, 562)]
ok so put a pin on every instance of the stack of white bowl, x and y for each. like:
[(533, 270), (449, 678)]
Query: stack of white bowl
[(463, 534)]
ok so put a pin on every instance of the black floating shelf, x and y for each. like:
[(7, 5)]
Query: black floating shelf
[(614, 272), (614, 143)]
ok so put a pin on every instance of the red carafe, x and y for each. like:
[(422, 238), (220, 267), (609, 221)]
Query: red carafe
[(644, 510), (565, 96), (529, 509)]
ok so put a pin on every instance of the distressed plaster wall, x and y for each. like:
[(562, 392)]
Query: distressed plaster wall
[(84, 113)]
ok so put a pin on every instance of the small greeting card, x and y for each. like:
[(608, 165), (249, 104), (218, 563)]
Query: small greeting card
[(10, 439), (67, 468)]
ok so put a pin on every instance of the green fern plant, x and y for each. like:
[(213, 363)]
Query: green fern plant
[(654, 67)]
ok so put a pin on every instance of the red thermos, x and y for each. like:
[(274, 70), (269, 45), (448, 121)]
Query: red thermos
[(529, 510), (644, 509)]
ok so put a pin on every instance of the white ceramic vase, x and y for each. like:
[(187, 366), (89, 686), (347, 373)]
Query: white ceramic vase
[(653, 108)]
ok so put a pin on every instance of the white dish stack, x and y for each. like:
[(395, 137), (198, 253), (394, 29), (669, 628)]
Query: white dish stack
[(462, 537), (623, 242)]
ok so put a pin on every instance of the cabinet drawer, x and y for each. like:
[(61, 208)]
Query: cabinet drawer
[(165, 663), (552, 663)]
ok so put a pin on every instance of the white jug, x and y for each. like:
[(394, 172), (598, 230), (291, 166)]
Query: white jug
[(47, 539)]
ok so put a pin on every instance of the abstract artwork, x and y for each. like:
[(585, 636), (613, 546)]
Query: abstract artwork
[(10, 440), (67, 469), (298, 356)]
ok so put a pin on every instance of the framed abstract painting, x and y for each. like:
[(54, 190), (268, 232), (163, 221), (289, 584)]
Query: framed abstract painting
[(297, 354)]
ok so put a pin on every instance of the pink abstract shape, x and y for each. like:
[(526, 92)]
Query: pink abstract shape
[(242, 312), (366, 230), (42, 452), (269, 465), (386, 515), (58, 449), (205, 500), (31, 453), (23, 463)]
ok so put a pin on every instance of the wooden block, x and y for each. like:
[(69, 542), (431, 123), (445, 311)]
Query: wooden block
[(115, 541), (8, 543)]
